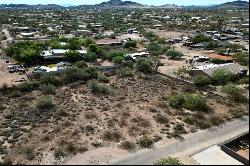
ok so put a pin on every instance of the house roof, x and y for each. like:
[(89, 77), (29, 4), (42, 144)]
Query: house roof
[(220, 57), (232, 67)]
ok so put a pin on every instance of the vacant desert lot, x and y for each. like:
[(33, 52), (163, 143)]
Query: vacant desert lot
[(82, 121), (167, 34)]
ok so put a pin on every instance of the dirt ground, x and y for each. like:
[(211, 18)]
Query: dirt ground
[(131, 110), (6, 77), (172, 65), (167, 34)]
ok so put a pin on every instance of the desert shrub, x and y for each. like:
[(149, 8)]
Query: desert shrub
[(222, 76), (216, 120), (179, 130), (81, 64), (195, 102), (112, 136), (58, 153), (181, 72), (72, 56), (162, 119), (130, 44), (127, 145), (75, 74), (25, 87), (242, 58), (244, 80), (174, 54), (145, 66), (142, 122), (16, 93), (176, 100), (154, 49), (30, 153), (118, 59), (98, 88), (113, 54), (234, 92), (90, 115), (168, 161), (48, 79), (201, 80), (89, 57), (48, 89), (125, 72), (44, 103), (103, 78), (146, 142)]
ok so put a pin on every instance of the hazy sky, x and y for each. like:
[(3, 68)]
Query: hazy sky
[(148, 2)]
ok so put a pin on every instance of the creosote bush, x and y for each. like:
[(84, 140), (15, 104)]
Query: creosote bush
[(45, 103), (168, 161), (98, 88)]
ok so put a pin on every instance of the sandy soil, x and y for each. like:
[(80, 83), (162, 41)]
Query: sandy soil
[(166, 34)]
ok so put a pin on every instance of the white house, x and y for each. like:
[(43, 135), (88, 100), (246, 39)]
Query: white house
[(58, 53)]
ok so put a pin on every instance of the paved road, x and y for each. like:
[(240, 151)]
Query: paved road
[(192, 143)]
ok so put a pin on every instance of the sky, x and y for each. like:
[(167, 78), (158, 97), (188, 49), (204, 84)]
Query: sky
[(147, 2)]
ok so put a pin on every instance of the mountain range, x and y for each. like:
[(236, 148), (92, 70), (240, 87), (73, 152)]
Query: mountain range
[(129, 4)]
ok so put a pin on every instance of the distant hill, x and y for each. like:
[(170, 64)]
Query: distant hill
[(130, 4), (25, 6), (235, 4)]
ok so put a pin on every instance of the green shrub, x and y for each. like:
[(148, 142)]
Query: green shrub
[(195, 102), (145, 142), (113, 54), (145, 66), (48, 89), (118, 59), (125, 72), (103, 78), (241, 58), (25, 87), (90, 57), (45, 103), (48, 79), (72, 56), (234, 92), (16, 93), (176, 100), (174, 54), (168, 161), (81, 64), (222, 76), (201, 80), (130, 44), (98, 88), (76, 74)]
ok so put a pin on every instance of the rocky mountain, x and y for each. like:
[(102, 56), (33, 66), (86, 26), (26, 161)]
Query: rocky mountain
[(235, 4)]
